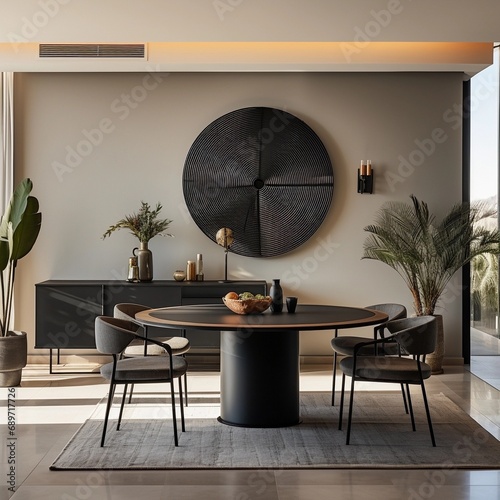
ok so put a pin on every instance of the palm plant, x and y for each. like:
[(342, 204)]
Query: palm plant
[(484, 286), (19, 229), (427, 253)]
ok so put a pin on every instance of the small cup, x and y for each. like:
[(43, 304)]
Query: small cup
[(291, 304)]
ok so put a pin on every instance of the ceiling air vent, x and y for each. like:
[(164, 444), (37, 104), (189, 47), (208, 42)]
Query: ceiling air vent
[(95, 50)]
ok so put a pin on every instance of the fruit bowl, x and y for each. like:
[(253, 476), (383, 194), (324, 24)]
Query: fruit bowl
[(247, 306)]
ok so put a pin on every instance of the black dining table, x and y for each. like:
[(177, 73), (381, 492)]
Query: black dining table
[(260, 354)]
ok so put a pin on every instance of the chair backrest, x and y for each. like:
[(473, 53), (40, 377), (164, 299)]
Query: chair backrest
[(394, 311), (127, 310), (416, 335), (113, 335)]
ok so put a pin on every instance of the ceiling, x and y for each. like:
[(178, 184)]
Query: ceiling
[(261, 35)]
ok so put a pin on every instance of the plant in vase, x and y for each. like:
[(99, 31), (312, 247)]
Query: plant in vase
[(19, 229), (144, 225), (427, 253)]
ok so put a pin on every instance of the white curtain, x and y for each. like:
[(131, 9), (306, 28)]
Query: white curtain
[(6, 138), (6, 146)]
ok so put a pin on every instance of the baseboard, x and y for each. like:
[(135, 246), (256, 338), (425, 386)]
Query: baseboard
[(312, 359), (197, 362)]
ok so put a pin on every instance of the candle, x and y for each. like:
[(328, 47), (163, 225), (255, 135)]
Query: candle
[(369, 167), (363, 168)]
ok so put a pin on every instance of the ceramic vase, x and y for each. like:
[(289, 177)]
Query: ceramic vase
[(145, 262), (276, 294)]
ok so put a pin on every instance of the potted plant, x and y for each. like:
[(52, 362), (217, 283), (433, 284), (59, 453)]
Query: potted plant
[(144, 225), (427, 253), (19, 229)]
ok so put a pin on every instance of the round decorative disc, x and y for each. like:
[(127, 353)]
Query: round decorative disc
[(264, 174)]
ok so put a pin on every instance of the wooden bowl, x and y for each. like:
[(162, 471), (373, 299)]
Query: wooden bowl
[(247, 306)]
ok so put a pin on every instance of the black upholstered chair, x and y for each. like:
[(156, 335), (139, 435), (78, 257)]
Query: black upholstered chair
[(112, 336), (345, 344), (179, 345), (416, 337)]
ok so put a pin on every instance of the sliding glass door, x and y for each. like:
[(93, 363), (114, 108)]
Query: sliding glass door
[(484, 167)]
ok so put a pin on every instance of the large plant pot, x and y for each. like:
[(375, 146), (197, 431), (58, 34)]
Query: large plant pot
[(13, 358), (435, 359)]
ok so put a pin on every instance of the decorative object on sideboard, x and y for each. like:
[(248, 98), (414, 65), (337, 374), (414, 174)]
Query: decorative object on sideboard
[(133, 268), (145, 261), (262, 172), (19, 229), (179, 275), (144, 225), (199, 267), (225, 238), (365, 177), (276, 293), (191, 270), (427, 253)]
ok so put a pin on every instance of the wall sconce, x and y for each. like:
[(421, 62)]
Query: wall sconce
[(365, 177), (224, 238)]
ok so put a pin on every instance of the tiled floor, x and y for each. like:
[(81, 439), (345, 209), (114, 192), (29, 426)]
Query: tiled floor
[(50, 409), (485, 357)]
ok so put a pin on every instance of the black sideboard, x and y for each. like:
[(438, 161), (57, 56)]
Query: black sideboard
[(66, 310)]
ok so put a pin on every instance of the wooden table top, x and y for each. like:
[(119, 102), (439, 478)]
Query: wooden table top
[(219, 317)]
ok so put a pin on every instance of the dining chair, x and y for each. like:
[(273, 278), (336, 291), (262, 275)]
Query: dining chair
[(112, 336), (416, 337), (345, 345), (179, 345)]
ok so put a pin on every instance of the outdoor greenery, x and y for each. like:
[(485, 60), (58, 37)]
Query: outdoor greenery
[(19, 229), (144, 224), (427, 253)]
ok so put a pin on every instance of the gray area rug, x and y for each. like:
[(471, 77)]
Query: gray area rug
[(381, 438)]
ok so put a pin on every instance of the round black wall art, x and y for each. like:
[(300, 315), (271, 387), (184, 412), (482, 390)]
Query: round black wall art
[(264, 174)]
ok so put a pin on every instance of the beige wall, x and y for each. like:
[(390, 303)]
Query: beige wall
[(140, 156), (69, 21)]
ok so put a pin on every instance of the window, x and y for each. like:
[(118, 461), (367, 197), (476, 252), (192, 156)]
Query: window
[(484, 166)]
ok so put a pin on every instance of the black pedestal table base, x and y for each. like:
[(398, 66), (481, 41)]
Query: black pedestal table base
[(260, 378)]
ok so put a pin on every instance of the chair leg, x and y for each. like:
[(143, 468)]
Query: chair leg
[(334, 370), (410, 407), (185, 384), (341, 409), (183, 426), (174, 418), (124, 396), (429, 421), (131, 392), (334, 376), (404, 398), (111, 395), (351, 404)]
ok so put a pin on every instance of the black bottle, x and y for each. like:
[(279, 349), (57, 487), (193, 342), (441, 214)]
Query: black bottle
[(276, 294)]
